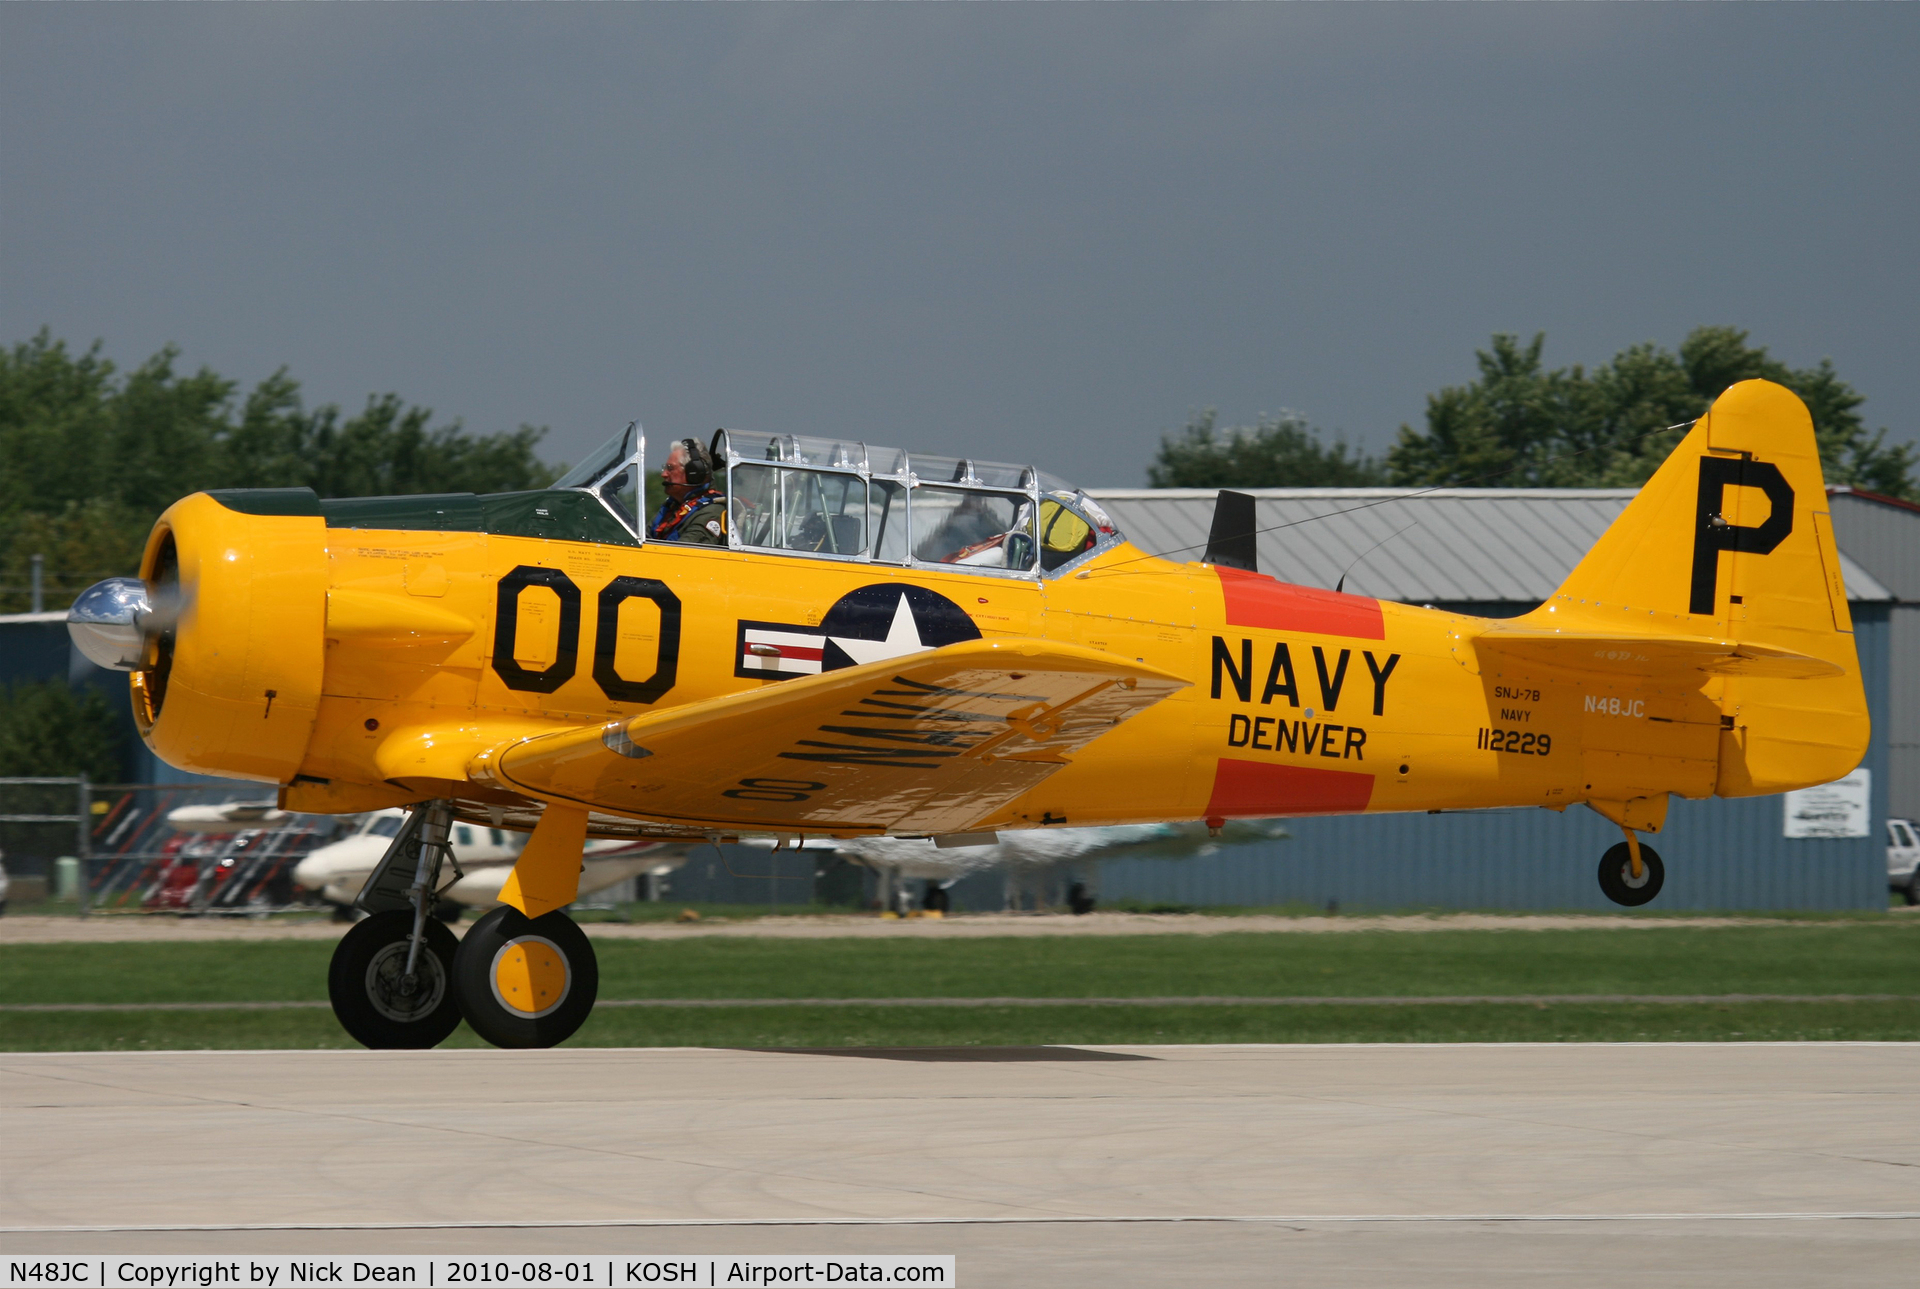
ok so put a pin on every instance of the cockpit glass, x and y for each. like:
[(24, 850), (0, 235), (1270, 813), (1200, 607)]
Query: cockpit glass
[(623, 492), (976, 528), (818, 511), (385, 826), (606, 457), (848, 500), (1063, 534)]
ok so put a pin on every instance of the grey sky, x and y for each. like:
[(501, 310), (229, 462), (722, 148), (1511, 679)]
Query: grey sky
[(1020, 232)]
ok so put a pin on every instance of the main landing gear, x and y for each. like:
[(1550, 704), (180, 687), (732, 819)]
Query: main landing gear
[(525, 982), (400, 978)]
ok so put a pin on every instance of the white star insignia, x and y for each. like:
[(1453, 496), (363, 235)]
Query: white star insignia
[(903, 637)]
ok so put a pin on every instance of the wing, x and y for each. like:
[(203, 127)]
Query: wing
[(1650, 655), (925, 744)]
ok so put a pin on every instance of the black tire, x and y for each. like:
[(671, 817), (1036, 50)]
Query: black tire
[(526, 982), (1616, 875), (366, 986), (1912, 892)]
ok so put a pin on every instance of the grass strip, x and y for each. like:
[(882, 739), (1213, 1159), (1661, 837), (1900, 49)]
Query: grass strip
[(1217, 1000), (882, 1027), (1792, 958)]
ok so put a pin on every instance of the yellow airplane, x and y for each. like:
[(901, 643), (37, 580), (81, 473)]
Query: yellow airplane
[(934, 647)]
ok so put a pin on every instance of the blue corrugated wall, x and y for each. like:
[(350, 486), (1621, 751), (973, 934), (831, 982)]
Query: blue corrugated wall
[(1719, 854)]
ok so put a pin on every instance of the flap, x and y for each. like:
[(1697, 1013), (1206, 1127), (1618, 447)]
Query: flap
[(927, 744), (1650, 655)]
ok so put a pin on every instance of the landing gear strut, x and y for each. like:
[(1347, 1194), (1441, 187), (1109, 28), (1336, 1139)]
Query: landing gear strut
[(1631, 872), (391, 978)]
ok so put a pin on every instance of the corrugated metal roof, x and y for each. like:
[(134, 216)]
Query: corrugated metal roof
[(1511, 544), (1883, 534)]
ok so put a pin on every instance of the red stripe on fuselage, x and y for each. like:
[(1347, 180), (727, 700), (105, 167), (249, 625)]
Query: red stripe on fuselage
[(1256, 600), (1259, 790), (791, 653)]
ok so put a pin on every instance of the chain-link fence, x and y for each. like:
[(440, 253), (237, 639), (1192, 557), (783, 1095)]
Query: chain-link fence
[(83, 848)]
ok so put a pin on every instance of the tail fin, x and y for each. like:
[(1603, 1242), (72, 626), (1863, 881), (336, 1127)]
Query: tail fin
[(1732, 539)]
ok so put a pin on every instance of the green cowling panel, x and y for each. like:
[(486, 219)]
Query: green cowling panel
[(268, 501), (557, 515), (441, 512)]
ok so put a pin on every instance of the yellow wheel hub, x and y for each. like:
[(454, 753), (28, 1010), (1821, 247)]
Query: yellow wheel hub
[(530, 976)]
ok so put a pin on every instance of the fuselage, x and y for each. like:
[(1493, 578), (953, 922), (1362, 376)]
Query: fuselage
[(365, 663)]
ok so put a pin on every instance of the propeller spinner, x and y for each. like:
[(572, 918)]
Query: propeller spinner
[(111, 621)]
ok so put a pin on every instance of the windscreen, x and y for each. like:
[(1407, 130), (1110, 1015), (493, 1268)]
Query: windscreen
[(606, 457)]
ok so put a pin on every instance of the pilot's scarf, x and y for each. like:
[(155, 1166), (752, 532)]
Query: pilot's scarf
[(667, 522)]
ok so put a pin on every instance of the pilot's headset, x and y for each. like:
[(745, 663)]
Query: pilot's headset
[(699, 468)]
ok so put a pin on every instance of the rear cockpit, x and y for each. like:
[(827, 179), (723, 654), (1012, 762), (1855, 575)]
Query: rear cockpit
[(846, 500)]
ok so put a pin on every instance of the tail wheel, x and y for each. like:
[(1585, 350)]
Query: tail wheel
[(1616, 875), (526, 982), (374, 998)]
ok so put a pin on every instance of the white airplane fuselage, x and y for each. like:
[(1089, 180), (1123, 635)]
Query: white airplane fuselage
[(338, 870)]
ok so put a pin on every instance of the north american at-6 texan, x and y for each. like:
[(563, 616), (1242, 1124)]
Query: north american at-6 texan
[(892, 645)]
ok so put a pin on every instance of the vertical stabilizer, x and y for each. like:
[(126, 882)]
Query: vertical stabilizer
[(1732, 539)]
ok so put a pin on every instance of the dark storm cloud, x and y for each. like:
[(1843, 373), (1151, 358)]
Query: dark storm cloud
[(1023, 232)]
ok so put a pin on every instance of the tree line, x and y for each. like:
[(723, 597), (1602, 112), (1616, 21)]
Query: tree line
[(90, 455), (1519, 423)]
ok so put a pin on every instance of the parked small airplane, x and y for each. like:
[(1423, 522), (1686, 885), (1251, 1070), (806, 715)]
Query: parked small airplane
[(1035, 852), (227, 816), (485, 856), (880, 644)]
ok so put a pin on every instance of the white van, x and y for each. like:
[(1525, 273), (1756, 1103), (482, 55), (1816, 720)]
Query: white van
[(1903, 859)]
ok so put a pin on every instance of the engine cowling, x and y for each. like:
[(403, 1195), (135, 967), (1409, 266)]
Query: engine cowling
[(230, 685)]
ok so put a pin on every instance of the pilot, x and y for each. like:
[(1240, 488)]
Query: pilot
[(695, 511), (969, 528)]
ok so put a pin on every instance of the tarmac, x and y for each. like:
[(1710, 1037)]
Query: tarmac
[(1364, 1165)]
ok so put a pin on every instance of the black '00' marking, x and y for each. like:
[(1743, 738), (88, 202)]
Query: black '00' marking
[(506, 629), (606, 638)]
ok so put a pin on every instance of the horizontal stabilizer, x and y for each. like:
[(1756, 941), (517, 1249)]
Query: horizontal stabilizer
[(1652, 654)]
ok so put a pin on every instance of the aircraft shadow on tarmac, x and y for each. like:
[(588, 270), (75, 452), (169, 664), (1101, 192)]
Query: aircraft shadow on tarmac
[(987, 1054)]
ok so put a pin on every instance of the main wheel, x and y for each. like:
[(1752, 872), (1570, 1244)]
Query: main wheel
[(525, 982), (372, 996), (1616, 875)]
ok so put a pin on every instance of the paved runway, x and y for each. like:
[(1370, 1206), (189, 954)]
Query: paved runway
[(1352, 1165)]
